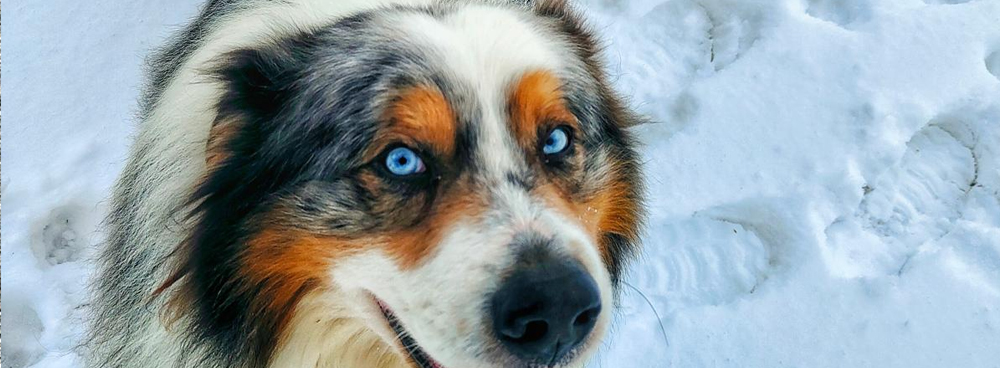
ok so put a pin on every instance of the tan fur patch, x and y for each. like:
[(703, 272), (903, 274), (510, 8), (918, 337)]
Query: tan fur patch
[(218, 137), (412, 245), (286, 265), (536, 100), (617, 211), (419, 116), (611, 210)]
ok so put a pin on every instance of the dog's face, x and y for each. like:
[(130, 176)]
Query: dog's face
[(456, 178)]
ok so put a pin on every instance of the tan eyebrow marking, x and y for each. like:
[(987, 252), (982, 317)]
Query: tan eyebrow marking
[(536, 99)]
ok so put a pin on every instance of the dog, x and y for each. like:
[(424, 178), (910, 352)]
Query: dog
[(357, 183)]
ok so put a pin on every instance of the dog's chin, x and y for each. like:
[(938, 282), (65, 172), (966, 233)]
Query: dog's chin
[(405, 342)]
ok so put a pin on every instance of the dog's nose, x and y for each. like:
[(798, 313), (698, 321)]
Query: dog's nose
[(545, 309)]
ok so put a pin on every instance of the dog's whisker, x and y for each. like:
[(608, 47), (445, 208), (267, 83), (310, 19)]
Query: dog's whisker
[(656, 313)]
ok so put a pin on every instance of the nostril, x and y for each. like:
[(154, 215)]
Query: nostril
[(524, 330), (586, 317), (534, 331)]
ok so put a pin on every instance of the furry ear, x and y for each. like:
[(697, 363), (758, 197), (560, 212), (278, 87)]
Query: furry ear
[(551, 8), (254, 79), (571, 23), (545, 8), (254, 87)]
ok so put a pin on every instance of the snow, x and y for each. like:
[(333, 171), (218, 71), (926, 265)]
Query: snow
[(824, 176)]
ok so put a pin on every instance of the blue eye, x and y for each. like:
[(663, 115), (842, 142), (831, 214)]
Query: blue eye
[(402, 161), (556, 142)]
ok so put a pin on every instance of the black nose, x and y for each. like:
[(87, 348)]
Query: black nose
[(545, 309)]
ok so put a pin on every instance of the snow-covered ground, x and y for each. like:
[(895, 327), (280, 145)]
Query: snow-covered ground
[(824, 176)]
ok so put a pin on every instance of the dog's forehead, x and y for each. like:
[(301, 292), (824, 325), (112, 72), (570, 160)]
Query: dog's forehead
[(484, 46), (482, 52)]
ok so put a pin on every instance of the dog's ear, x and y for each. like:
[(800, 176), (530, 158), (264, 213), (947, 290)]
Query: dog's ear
[(254, 85), (254, 79), (570, 22), (545, 8), (551, 8)]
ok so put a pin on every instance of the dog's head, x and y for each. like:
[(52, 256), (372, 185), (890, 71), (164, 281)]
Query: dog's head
[(456, 179)]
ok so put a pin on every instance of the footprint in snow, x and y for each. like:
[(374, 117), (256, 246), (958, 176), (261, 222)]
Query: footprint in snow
[(703, 261), (59, 238), (735, 28), (993, 63), (916, 200), (23, 328), (928, 184), (846, 14)]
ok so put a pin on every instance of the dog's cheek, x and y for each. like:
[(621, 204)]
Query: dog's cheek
[(395, 206), (280, 266), (605, 196), (423, 221), (449, 292), (439, 300)]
